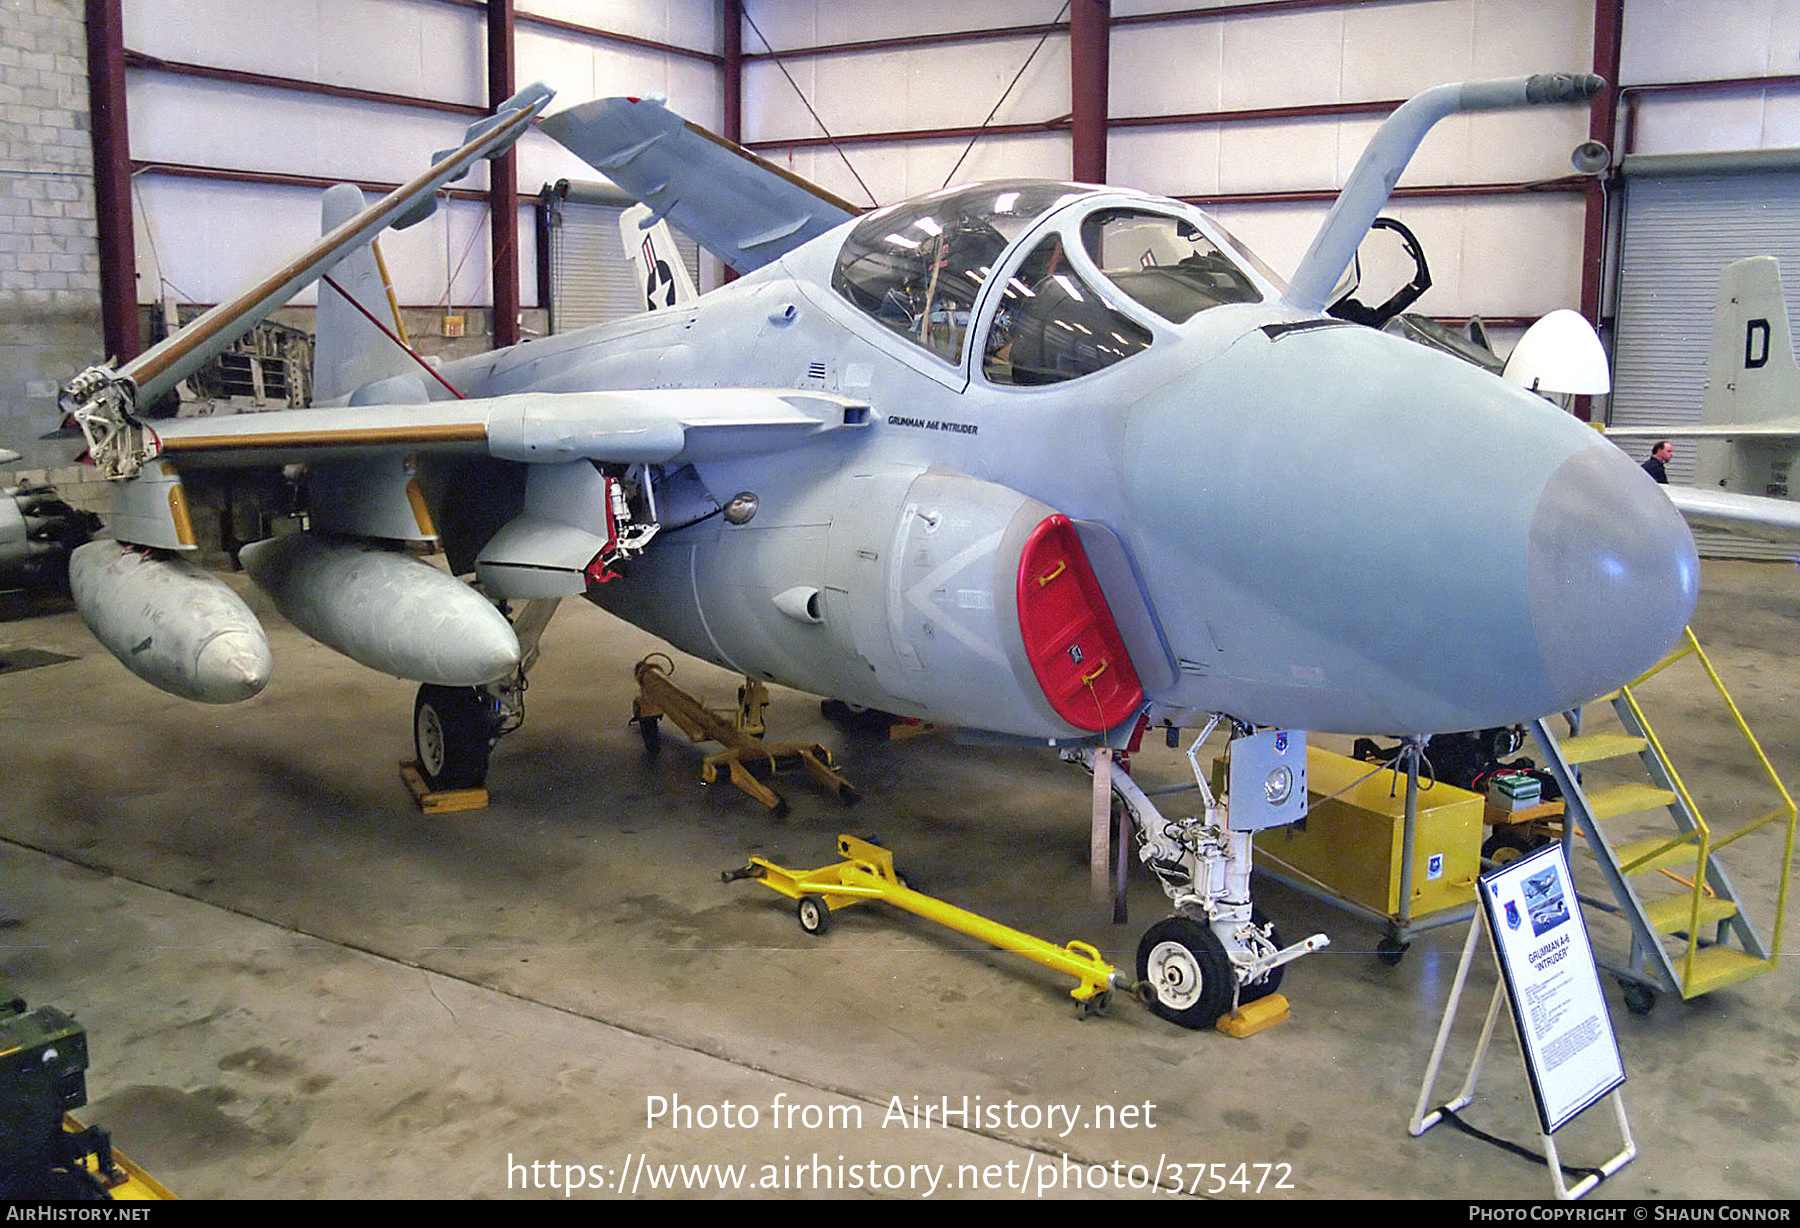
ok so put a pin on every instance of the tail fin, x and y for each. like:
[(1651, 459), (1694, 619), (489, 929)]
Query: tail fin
[(1751, 375), (660, 270), (1751, 381), (349, 350)]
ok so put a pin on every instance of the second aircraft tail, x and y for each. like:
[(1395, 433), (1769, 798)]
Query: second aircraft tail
[(662, 276)]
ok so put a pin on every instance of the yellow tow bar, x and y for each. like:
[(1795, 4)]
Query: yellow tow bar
[(867, 873)]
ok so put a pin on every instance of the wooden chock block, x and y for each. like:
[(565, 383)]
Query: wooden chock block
[(443, 801), (1253, 1017)]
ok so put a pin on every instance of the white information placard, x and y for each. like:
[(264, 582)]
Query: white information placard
[(1552, 985)]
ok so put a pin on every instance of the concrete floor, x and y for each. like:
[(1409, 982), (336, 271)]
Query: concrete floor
[(297, 985)]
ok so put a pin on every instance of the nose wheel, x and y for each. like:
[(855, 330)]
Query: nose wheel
[(1185, 972)]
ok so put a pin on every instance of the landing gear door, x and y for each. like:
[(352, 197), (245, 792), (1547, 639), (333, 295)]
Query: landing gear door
[(1267, 779)]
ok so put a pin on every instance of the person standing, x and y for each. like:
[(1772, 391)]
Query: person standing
[(1660, 456)]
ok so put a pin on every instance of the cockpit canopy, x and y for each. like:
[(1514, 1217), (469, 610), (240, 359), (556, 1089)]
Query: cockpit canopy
[(1072, 304)]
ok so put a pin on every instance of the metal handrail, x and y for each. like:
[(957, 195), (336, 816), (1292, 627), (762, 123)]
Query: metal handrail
[(1785, 807), (1703, 849)]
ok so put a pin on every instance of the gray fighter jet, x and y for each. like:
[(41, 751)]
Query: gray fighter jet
[(1049, 461)]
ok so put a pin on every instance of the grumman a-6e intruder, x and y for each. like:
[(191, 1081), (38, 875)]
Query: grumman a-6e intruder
[(1039, 460)]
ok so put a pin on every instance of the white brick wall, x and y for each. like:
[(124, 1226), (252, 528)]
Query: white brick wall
[(80, 486), (48, 247)]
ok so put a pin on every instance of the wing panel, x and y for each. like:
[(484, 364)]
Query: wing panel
[(655, 426), (744, 210)]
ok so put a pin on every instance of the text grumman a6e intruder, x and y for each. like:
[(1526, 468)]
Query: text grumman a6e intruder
[(1036, 459)]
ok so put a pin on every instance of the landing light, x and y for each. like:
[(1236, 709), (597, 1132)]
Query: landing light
[(1279, 784)]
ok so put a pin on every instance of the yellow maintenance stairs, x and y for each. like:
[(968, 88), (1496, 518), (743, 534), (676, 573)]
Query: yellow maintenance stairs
[(1690, 931)]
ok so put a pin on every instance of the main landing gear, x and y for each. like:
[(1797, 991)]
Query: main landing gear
[(454, 731), (455, 728), (1217, 954)]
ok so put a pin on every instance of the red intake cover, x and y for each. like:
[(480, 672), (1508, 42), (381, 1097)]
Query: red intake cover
[(1070, 637)]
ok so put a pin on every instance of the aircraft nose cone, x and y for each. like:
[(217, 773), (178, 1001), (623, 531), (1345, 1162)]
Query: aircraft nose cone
[(1352, 534), (232, 666), (1612, 573)]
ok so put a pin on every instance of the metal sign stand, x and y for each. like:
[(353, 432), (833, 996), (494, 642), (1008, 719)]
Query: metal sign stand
[(1423, 1120)]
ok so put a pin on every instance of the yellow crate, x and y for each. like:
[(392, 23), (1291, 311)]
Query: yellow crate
[(1352, 843)]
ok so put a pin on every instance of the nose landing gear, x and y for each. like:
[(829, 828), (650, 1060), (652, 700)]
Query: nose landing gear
[(1217, 955)]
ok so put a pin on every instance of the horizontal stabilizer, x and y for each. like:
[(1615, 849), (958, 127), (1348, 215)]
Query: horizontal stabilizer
[(1754, 515), (744, 210), (1784, 428)]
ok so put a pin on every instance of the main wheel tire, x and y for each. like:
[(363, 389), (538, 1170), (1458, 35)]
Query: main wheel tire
[(1184, 966), (453, 736)]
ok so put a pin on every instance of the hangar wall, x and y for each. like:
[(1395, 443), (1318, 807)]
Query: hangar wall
[(1258, 114), (1244, 113), (1753, 42), (49, 260), (207, 235)]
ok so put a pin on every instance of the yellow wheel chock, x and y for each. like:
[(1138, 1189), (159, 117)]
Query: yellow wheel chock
[(867, 873), (747, 760)]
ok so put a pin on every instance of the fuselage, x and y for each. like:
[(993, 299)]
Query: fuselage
[(1305, 523)]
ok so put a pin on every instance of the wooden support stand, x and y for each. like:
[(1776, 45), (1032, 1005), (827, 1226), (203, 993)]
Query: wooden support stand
[(747, 760)]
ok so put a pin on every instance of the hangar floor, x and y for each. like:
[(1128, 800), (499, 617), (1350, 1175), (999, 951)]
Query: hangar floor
[(297, 985)]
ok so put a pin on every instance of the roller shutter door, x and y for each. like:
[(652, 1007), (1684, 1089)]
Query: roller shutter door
[(1680, 231), (591, 281)]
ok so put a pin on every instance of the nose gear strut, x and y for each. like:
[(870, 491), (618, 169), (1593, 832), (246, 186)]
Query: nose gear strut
[(1218, 953)]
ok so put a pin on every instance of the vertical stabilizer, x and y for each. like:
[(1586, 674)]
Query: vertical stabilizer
[(1751, 375), (349, 350), (662, 277)]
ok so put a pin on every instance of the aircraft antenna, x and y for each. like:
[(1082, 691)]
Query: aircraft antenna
[(776, 56), (1007, 93)]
